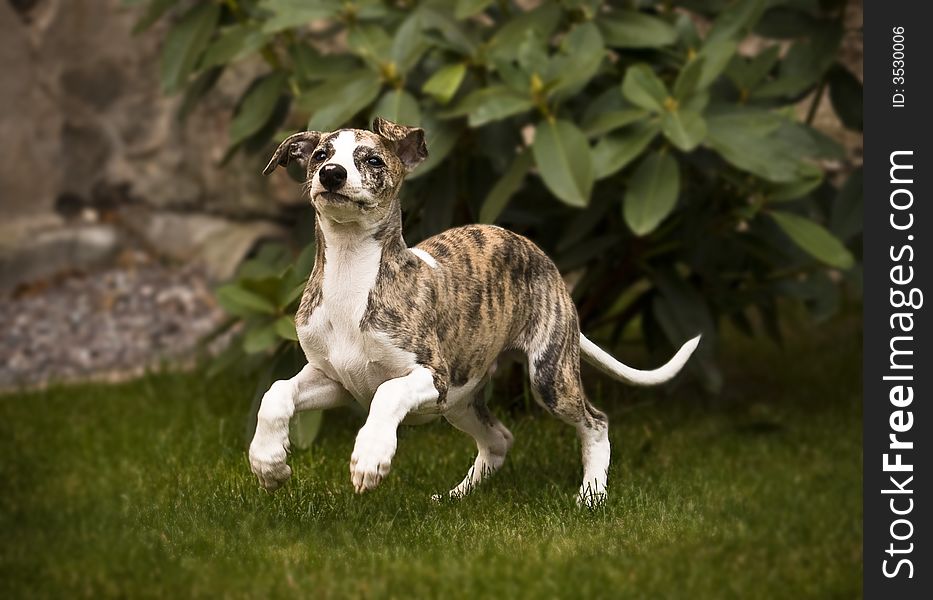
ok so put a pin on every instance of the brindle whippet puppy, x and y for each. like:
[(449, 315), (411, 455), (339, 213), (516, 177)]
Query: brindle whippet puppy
[(411, 333)]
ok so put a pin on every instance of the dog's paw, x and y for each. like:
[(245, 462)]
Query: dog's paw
[(268, 463), (591, 498), (371, 459)]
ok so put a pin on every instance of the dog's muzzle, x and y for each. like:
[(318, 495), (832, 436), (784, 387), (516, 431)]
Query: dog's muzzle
[(332, 176)]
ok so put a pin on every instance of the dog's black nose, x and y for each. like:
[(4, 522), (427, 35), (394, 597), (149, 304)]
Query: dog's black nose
[(333, 177)]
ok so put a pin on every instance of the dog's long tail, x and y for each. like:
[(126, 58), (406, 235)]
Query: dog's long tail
[(603, 361)]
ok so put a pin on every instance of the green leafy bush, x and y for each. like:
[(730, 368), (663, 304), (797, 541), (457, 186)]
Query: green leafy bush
[(665, 171)]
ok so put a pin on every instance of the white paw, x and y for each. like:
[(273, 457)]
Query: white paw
[(590, 497), (461, 491), (371, 459), (267, 460)]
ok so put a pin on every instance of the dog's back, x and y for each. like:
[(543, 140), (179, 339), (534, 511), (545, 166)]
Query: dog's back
[(496, 291)]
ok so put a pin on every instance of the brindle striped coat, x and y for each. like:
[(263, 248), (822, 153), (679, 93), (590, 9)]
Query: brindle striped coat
[(411, 333)]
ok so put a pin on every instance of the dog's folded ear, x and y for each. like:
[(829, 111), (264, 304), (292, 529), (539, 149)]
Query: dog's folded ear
[(408, 141), (295, 147)]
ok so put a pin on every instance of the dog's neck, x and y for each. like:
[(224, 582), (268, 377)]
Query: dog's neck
[(345, 239), (350, 255)]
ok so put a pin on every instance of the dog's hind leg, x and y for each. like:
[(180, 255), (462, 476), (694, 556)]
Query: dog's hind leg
[(493, 441), (554, 368)]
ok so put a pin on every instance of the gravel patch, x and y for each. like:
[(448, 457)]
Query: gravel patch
[(108, 325)]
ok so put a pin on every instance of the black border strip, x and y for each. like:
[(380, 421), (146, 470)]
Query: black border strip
[(890, 256)]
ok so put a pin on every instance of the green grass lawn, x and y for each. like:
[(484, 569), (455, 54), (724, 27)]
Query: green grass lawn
[(143, 489)]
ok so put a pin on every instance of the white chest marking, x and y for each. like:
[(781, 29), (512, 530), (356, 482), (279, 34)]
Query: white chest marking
[(427, 258), (332, 338)]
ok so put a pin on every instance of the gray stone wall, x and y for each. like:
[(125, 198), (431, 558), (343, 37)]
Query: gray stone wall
[(86, 130)]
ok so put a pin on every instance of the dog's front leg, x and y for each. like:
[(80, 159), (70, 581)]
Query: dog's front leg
[(310, 389), (376, 441)]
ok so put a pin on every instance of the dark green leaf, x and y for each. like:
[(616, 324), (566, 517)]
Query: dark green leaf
[(490, 104), (513, 76), (233, 44), (508, 184), (748, 73), (458, 38), (311, 66), (305, 261), (687, 79), (683, 128), (697, 102), (185, 43), (539, 22), (643, 88), (581, 54), (257, 106), (265, 287), (652, 192), (532, 55), (616, 150), (751, 140), (808, 141), (584, 222), (783, 192), (336, 101), (468, 8), (610, 99), (497, 108), (441, 137), (242, 302), (788, 23), (845, 92), (594, 248), (735, 21), (804, 65), (687, 30), (443, 85), (437, 213), (817, 292), (814, 239), (285, 328), (286, 14), (632, 29), (682, 312), (846, 219), (154, 11), (197, 89), (400, 107), (260, 338), (408, 45), (371, 43), (715, 56), (610, 121), (294, 294), (257, 268), (304, 428), (227, 359), (564, 161)]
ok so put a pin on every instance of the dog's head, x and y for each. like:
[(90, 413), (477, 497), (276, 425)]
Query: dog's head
[(353, 174)]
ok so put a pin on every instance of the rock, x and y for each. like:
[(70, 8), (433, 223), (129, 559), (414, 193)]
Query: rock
[(84, 109), (113, 324), (29, 126), (46, 252), (215, 244)]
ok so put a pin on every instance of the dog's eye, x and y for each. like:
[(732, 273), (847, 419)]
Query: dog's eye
[(375, 161), (319, 155)]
